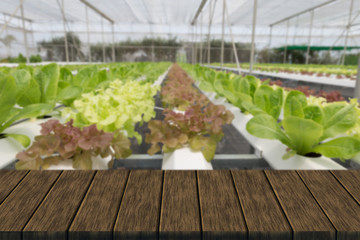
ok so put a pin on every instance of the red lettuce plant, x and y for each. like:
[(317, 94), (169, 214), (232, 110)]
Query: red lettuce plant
[(200, 127), (59, 142), (178, 91)]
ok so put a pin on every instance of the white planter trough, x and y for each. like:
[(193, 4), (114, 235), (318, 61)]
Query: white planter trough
[(98, 163), (9, 147), (185, 159)]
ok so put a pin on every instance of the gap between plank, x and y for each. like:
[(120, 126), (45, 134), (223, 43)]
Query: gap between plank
[(14, 187), (280, 205), (302, 179), (240, 203), (41, 202)]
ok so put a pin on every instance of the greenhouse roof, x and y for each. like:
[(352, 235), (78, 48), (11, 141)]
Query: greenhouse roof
[(290, 20), (318, 48)]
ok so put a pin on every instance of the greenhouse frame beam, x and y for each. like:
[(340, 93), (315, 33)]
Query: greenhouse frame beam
[(24, 30), (253, 38), (113, 43), (97, 11), (309, 39), (347, 31), (87, 31), (357, 83), (222, 35), (18, 17), (64, 25), (9, 20), (201, 6), (232, 39), (302, 12), (286, 41)]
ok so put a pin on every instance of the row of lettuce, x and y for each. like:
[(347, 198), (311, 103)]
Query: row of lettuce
[(100, 103), (307, 125), (311, 69)]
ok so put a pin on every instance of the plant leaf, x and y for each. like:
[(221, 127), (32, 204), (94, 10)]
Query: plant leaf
[(304, 134), (21, 138), (342, 147), (265, 126), (48, 78)]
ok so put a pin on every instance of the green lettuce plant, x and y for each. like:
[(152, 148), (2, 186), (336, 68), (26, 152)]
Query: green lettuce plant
[(10, 113), (310, 129), (59, 142), (120, 106)]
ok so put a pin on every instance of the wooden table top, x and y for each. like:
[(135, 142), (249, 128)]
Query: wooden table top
[(155, 204)]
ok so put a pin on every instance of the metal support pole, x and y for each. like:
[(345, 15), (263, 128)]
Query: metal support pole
[(269, 47), (222, 35), (286, 40), (87, 31), (65, 36), (357, 84), (113, 43), (201, 40), (309, 38), (232, 38), (24, 31), (103, 40), (347, 31), (253, 37), (209, 32)]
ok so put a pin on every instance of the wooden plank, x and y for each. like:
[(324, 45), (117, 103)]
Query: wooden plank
[(350, 180), (96, 216), (264, 217), (140, 207), (221, 213), (180, 213), (342, 210), (19, 206), (54, 216), (9, 179), (307, 219)]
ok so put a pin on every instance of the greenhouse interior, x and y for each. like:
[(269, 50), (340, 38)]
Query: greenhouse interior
[(192, 119), (200, 84)]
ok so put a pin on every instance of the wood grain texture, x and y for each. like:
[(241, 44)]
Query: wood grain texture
[(342, 210), (264, 217), (221, 213), (304, 214), (8, 181), (54, 216), (96, 216), (180, 213), (140, 207), (351, 181), (17, 209)]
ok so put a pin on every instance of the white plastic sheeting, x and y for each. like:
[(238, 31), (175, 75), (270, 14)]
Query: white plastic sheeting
[(136, 19)]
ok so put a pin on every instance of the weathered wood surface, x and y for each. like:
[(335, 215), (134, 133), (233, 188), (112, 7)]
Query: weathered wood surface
[(154, 204)]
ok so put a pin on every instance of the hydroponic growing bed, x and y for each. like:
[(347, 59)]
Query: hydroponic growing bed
[(129, 116)]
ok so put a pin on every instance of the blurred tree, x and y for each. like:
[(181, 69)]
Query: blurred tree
[(55, 48), (7, 40)]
